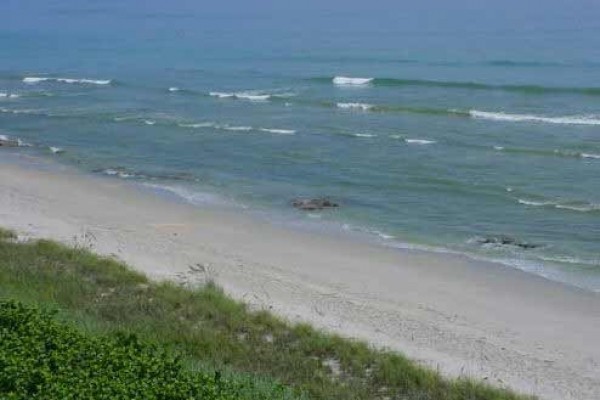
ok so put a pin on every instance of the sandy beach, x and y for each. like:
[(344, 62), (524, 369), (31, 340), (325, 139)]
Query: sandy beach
[(461, 316)]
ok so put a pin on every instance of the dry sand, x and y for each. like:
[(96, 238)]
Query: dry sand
[(461, 316)]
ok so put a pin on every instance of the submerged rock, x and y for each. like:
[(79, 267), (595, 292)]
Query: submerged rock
[(314, 204), (504, 240), (8, 142)]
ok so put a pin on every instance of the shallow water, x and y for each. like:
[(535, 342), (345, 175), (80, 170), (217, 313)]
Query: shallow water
[(428, 135)]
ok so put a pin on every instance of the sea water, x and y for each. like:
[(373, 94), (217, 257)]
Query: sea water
[(435, 126)]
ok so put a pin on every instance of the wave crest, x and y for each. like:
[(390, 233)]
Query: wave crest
[(358, 106), (8, 95), (566, 120), (349, 81), (279, 131), (517, 88), (419, 141), (572, 206), (35, 79), (254, 95)]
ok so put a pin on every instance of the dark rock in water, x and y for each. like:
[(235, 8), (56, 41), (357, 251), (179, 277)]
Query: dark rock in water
[(504, 240), (314, 204), (7, 142)]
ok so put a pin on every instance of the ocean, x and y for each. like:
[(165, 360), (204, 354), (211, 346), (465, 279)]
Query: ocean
[(462, 130)]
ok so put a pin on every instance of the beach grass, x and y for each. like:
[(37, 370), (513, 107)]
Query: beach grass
[(102, 296)]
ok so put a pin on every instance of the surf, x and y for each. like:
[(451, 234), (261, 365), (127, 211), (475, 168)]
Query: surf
[(32, 80), (563, 120)]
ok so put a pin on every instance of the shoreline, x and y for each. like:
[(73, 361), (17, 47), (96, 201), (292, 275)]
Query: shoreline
[(319, 223), (460, 315)]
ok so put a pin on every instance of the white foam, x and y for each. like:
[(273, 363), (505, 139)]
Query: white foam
[(384, 236), (345, 80), (566, 120), (279, 131), (174, 89), (189, 195), (35, 79), (149, 122), (118, 173), (252, 96), (197, 125), (31, 79), (235, 128), (364, 135), (55, 150), (359, 106), (6, 95), (498, 148), (9, 111), (222, 95), (580, 208), (284, 95), (534, 203), (590, 155), (12, 141), (419, 141), (572, 207), (396, 137), (570, 260)]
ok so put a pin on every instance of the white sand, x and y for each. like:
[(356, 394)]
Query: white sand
[(463, 317)]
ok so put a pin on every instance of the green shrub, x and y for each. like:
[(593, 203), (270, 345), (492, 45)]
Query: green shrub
[(41, 358)]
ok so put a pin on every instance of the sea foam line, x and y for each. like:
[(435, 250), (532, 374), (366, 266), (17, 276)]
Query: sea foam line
[(358, 106), (258, 96), (279, 131), (349, 81), (241, 96), (567, 120), (56, 150), (36, 79), (419, 141), (197, 125), (7, 95), (235, 128), (579, 207), (23, 111), (590, 155)]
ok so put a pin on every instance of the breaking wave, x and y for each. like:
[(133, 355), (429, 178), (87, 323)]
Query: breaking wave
[(546, 152), (572, 205), (9, 141), (8, 95), (56, 150), (258, 96), (356, 106), (395, 82), (566, 120), (35, 79), (279, 131), (348, 81), (419, 141)]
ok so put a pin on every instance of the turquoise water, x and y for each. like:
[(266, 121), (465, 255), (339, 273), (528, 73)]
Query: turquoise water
[(431, 133)]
